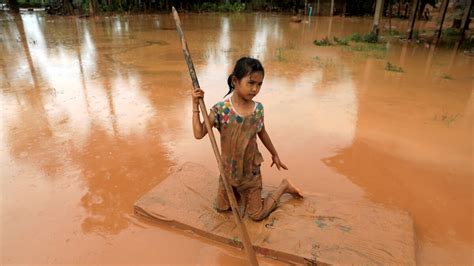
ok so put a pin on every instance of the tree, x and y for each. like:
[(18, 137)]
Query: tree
[(13, 5), (92, 7), (377, 15), (65, 8), (423, 5)]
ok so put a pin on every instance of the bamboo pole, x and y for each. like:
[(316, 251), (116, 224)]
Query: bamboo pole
[(230, 194)]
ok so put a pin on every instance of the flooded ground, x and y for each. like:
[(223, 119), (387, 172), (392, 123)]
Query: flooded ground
[(96, 111)]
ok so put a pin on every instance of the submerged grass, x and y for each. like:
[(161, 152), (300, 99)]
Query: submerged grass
[(324, 63), (446, 118), (375, 50), (342, 41), (446, 76), (323, 42), (356, 42), (279, 55), (391, 67)]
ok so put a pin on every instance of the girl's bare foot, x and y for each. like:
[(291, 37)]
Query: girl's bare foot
[(290, 188)]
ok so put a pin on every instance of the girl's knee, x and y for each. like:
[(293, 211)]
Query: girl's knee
[(221, 205)]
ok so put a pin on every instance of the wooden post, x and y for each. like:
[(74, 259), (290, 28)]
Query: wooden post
[(412, 19), (443, 9), (230, 193), (378, 13)]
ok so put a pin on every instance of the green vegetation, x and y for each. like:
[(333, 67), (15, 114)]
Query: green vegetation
[(446, 76), (219, 7), (355, 42), (370, 38), (450, 32), (415, 35), (323, 42), (390, 67), (355, 37), (395, 33), (29, 4), (279, 55), (446, 118), (326, 63), (376, 50), (343, 41)]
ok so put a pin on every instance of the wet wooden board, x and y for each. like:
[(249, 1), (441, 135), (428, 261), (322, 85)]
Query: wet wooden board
[(318, 229)]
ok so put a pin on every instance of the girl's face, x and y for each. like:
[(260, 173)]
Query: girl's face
[(249, 86)]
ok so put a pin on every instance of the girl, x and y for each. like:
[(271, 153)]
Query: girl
[(239, 120)]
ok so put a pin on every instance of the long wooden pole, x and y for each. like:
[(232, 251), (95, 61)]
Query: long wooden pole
[(230, 193)]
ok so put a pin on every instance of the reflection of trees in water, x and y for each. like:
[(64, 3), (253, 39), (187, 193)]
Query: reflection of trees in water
[(117, 171), (117, 166), (31, 133)]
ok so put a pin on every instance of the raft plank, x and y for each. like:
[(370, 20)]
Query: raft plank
[(319, 229)]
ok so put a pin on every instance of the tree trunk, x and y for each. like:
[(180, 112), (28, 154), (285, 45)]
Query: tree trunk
[(399, 11), (465, 16), (92, 7), (377, 15), (443, 9), (331, 11), (422, 8), (26, 50), (344, 6), (389, 17), (66, 8), (13, 5), (406, 10), (412, 18)]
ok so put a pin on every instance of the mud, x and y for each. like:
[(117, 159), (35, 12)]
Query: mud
[(95, 112)]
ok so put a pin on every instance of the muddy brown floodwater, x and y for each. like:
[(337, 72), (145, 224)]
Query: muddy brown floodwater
[(96, 111)]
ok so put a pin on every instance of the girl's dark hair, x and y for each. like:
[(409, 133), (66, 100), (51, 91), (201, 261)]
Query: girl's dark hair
[(244, 66)]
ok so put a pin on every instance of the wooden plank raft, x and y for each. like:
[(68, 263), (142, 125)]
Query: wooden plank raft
[(319, 229)]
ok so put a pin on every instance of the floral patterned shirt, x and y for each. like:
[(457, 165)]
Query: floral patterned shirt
[(240, 156)]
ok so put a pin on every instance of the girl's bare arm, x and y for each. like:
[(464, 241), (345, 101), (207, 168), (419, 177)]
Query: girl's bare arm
[(267, 142), (199, 129)]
